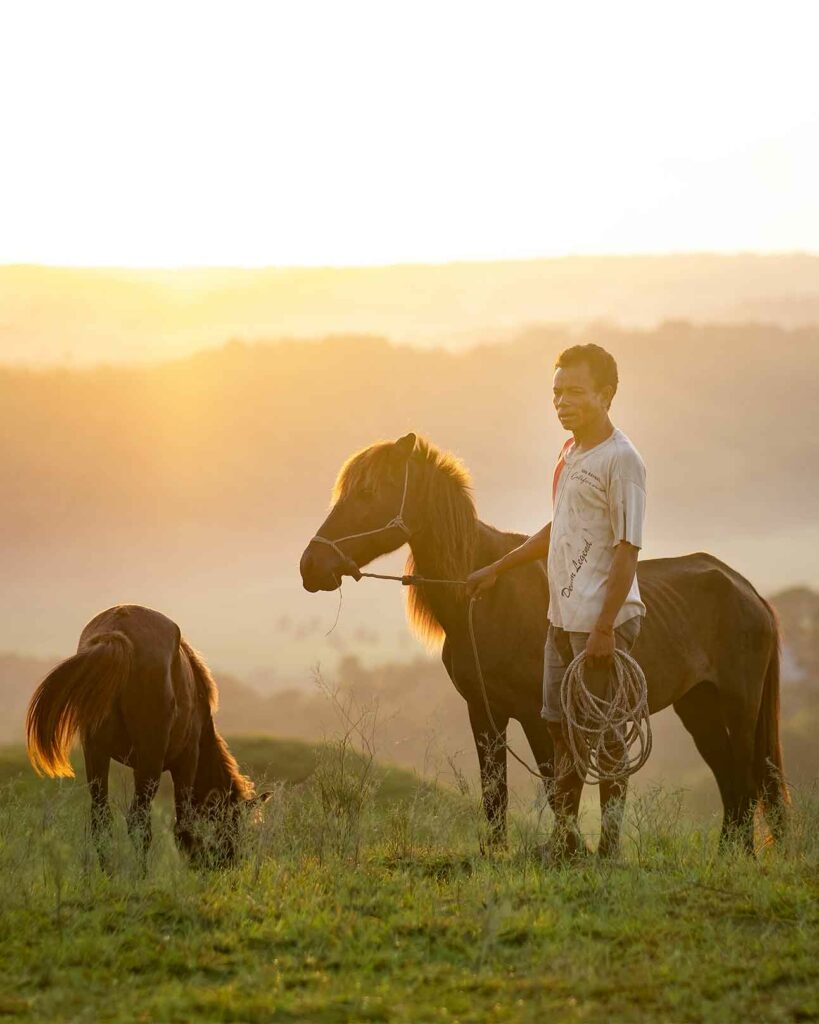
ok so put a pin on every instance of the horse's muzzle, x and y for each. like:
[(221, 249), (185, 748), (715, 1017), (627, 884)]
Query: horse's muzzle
[(320, 569)]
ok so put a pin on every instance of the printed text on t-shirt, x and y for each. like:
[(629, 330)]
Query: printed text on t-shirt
[(578, 565), (586, 477)]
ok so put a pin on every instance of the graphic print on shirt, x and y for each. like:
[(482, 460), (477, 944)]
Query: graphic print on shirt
[(583, 515), (578, 564), (585, 476), (578, 516)]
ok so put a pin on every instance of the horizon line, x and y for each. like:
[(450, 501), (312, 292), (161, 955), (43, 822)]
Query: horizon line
[(660, 254)]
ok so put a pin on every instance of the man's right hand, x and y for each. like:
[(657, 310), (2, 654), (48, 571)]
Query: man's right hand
[(481, 580)]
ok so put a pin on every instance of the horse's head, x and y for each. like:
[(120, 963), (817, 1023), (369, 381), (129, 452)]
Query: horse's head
[(211, 835), (371, 515)]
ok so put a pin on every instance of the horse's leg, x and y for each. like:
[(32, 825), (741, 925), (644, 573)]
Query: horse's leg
[(566, 840), (537, 735), (146, 783), (491, 747), (741, 722), (97, 763), (147, 706), (183, 772), (700, 712)]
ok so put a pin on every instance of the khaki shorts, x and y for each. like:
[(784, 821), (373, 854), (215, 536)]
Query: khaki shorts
[(562, 648)]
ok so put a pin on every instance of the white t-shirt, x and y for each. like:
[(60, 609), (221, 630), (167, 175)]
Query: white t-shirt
[(599, 500)]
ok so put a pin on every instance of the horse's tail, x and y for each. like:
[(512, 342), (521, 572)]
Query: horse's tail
[(768, 763), (79, 695)]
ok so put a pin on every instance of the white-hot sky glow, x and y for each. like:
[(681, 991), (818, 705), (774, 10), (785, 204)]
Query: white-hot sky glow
[(297, 132)]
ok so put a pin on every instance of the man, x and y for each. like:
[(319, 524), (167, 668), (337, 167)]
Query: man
[(593, 541)]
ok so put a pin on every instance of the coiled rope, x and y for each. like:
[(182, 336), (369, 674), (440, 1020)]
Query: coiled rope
[(609, 737), (601, 731)]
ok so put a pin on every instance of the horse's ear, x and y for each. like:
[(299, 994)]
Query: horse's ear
[(404, 446)]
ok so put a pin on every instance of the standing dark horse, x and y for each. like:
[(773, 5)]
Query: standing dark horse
[(709, 644), (138, 692)]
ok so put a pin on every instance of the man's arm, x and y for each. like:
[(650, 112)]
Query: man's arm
[(621, 576), (537, 546)]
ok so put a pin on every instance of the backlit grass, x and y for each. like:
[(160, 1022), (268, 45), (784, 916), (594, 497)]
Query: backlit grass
[(362, 895)]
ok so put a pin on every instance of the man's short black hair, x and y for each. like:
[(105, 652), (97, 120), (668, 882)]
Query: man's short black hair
[(601, 364)]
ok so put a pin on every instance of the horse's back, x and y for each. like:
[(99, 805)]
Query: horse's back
[(155, 637), (157, 703), (709, 586), (704, 621)]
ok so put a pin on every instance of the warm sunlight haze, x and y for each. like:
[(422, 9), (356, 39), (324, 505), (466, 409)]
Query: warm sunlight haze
[(409, 473), (168, 134)]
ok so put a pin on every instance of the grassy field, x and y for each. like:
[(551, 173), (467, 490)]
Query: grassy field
[(362, 895)]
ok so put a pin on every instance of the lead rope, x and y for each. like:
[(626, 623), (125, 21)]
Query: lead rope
[(601, 732)]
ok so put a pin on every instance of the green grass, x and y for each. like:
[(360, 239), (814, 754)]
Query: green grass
[(362, 896)]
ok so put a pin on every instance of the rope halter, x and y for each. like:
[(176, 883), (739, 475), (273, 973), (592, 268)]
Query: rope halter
[(396, 522)]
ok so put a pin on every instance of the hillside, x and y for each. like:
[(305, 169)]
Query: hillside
[(268, 760), (344, 907), (78, 316)]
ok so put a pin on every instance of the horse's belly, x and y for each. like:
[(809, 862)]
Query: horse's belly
[(668, 680)]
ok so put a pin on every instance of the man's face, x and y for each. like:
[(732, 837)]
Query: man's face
[(578, 402)]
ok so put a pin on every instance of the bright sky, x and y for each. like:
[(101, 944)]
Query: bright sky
[(296, 132)]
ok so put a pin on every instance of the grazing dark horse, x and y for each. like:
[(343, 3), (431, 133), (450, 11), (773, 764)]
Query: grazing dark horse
[(709, 644), (136, 691)]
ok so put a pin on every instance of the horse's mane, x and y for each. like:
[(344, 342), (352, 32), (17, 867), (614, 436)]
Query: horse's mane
[(240, 785), (205, 682), (224, 763), (445, 492)]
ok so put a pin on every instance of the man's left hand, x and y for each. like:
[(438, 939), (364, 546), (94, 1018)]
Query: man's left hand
[(600, 648)]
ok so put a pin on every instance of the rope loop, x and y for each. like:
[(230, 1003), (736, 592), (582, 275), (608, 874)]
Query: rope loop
[(609, 737)]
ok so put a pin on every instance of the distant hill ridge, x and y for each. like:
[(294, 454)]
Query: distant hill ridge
[(193, 486), (55, 315)]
